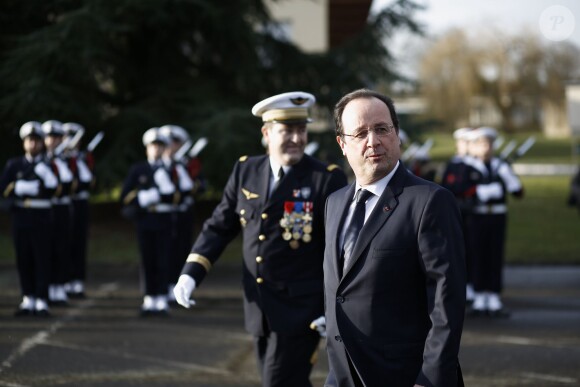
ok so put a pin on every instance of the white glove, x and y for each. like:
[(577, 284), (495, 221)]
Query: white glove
[(147, 197), (26, 188), (185, 182), (163, 181), (64, 172), (85, 174), (182, 291), (486, 192), (319, 325), (45, 173)]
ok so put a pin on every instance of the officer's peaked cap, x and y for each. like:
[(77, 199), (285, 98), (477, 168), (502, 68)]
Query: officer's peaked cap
[(154, 135), (289, 107), (174, 132), (52, 127), (31, 128)]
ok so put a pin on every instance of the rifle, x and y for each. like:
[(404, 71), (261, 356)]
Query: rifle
[(498, 143), (197, 147), (182, 151), (311, 148), (75, 139), (95, 141), (62, 146), (507, 149), (523, 149), (410, 151)]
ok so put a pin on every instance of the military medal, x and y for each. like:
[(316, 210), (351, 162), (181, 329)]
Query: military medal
[(307, 222), (294, 244), (306, 238), (287, 235)]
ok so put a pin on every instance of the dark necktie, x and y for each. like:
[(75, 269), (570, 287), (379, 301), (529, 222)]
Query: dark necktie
[(355, 225), (280, 176)]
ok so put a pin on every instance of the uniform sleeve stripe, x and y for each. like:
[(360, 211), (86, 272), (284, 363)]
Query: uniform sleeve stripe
[(203, 261)]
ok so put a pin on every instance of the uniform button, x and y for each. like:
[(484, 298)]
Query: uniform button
[(340, 299), (259, 259), (264, 216), (338, 338), (262, 237), (242, 212), (259, 280)]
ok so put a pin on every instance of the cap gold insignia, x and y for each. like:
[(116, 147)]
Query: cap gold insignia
[(299, 100), (249, 195)]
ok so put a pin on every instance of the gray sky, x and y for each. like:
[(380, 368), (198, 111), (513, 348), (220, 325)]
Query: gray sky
[(511, 15)]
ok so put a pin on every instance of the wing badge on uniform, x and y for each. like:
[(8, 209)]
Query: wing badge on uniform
[(249, 195)]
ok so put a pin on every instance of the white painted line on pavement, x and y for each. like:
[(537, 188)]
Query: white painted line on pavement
[(550, 378), (42, 336)]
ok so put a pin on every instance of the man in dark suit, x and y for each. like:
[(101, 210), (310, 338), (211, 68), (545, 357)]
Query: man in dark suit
[(277, 201), (395, 294)]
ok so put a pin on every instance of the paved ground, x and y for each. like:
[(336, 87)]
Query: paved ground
[(101, 341)]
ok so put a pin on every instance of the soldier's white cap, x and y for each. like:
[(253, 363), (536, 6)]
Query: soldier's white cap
[(285, 108), (31, 128), (484, 131), (154, 135), (174, 132), (71, 128), (53, 127), (461, 133)]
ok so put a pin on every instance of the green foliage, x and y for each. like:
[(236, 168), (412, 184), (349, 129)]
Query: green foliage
[(124, 66)]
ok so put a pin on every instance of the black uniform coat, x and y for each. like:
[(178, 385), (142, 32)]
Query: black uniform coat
[(286, 286), (398, 309)]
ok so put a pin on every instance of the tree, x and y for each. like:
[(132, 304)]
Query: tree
[(127, 65)]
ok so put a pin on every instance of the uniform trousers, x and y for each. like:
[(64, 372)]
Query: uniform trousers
[(61, 243), (32, 241), (154, 248), (182, 240), (78, 262), (487, 236), (286, 360)]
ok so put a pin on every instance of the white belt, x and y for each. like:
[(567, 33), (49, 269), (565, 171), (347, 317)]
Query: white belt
[(483, 209), (61, 201), (161, 207), (83, 195), (34, 203), (183, 207)]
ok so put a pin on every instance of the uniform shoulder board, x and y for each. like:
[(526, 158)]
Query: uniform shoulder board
[(332, 167), (243, 158)]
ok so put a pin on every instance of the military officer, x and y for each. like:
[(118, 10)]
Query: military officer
[(62, 212), (28, 184), (458, 178), (148, 195), (83, 180), (277, 201), (494, 180)]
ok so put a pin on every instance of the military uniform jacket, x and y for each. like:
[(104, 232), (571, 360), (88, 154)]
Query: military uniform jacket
[(281, 284), (398, 308), (496, 171), (140, 177), (19, 168)]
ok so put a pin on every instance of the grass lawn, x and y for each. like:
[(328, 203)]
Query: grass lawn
[(542, 228)]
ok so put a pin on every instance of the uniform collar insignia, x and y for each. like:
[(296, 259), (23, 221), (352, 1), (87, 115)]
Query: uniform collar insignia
[(249, 195)]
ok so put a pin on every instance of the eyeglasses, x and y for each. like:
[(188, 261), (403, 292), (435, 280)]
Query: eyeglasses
[(379, 131)]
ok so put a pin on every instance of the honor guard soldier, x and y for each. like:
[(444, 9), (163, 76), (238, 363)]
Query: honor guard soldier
[(182, 218), (458, 178), (148, 197), (62, 211), (494, 180), (277, 202), (27, 185), (81, 166)]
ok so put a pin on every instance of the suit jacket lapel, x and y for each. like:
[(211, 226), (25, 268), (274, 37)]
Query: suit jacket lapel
[(385, 206), (338, 225)]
